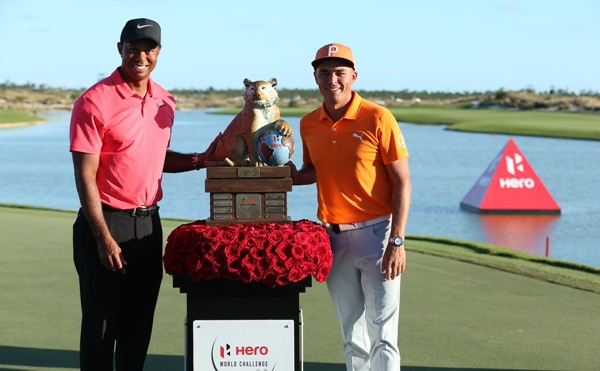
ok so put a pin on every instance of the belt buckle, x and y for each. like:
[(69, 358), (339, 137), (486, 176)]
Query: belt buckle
[(144, 211), (140, 212), (338, 228), (350, 226)]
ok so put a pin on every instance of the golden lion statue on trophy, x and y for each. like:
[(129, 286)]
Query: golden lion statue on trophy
[(236, 146)]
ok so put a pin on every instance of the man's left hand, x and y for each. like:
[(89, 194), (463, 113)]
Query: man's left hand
[(394, 261)]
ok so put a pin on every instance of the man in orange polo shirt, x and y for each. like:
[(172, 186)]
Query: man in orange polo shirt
[(119, 135), (355, 152)]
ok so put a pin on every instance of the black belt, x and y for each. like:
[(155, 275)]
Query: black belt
[(138, 212)]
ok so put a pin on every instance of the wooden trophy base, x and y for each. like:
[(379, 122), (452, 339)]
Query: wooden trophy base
[(240, 195)]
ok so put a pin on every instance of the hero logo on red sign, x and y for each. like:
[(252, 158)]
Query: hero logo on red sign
[(515, 164)]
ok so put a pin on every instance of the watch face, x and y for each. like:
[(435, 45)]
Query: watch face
[(397, 241)]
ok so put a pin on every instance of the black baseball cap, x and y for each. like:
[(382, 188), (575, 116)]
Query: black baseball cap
[(139, 28)]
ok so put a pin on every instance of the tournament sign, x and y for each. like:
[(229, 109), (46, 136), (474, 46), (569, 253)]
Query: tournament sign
[(510, 185), (243, 345)]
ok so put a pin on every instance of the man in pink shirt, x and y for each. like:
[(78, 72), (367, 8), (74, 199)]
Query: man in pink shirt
[(119, 138)]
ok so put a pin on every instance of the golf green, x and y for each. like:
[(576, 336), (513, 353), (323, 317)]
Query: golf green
[(454, 315)]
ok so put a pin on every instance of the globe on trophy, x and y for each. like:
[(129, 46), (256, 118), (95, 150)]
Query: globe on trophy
[(275, 149)]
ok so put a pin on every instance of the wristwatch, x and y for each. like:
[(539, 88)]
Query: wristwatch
[(397, 241)]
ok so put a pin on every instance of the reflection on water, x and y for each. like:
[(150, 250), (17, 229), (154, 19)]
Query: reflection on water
[(527, 233)]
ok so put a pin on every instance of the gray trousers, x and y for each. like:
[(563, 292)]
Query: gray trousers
[(367, 305)]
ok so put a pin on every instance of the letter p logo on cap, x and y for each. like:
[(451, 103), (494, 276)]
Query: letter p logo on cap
[(334, 50)]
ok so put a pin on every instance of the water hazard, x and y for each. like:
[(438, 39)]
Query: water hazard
[(36, 170)]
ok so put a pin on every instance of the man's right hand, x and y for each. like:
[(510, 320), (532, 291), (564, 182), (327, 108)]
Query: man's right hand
[(111, 256)]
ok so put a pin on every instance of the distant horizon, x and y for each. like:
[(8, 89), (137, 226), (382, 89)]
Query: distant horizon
[(28, 85), (429, 45)]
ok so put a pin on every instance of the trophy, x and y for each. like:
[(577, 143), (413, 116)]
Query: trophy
[(246, 174)]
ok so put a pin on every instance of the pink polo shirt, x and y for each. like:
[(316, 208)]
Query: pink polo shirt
[(131, 134)]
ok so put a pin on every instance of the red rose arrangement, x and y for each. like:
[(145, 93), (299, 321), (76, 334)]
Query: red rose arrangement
[(273, 254)]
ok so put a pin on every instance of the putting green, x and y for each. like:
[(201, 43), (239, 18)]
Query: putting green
[(454, 314)]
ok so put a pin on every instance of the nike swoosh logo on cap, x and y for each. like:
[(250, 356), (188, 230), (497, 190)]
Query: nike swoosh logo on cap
[(143, 26)]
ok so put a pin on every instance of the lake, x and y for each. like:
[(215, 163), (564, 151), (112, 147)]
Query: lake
[(36, 169)]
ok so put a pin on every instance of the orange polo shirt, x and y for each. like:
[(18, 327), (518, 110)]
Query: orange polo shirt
[(350, 157)]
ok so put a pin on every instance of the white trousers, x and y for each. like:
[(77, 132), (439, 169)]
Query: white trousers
[(367, 305)]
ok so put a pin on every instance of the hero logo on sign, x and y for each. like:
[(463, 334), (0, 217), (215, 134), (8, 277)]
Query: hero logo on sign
[(244, 345), (225, 351), (509, 184), (515, 164)]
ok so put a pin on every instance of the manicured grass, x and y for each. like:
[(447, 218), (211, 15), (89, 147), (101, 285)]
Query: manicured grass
[(455, 314), (498, 121), (536, 123), (10, 116), (556, 271)]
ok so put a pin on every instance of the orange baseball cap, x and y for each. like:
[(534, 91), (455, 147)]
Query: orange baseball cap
[(334, 50)]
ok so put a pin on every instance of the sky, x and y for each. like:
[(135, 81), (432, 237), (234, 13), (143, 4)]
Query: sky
[(431, 45)]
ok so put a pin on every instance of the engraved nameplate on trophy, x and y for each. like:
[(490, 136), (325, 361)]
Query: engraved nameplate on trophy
[(248, 194), (247, 206)]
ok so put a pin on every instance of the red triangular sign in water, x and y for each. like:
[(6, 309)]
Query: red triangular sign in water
[(509, 185)]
